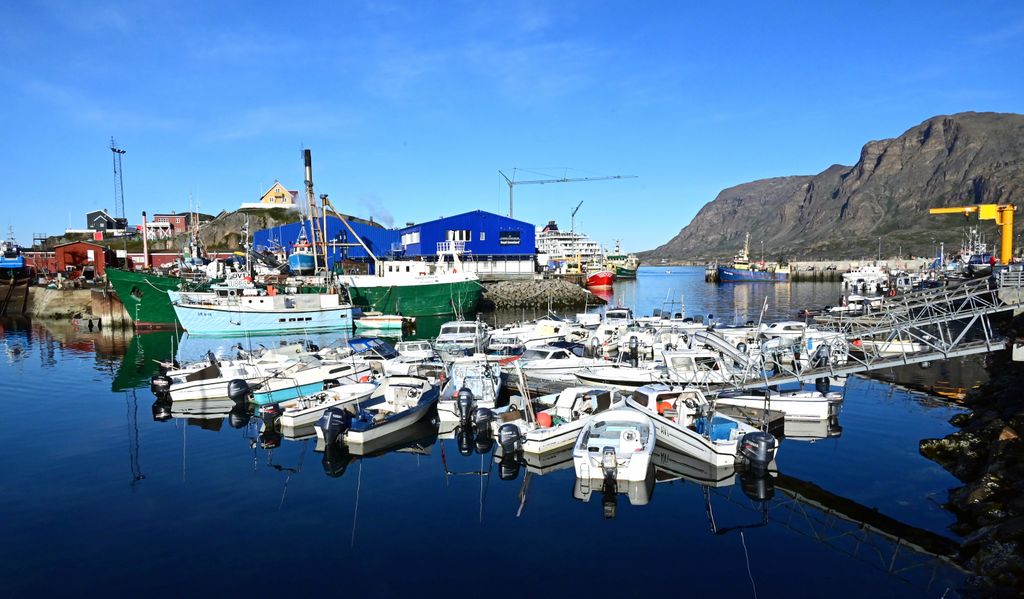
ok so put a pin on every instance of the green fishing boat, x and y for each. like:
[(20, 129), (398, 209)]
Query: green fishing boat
[(144, 296), (623, 265)]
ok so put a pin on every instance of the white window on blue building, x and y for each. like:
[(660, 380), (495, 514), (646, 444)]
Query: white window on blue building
[(482, 237), (508, 238), (460, 235)]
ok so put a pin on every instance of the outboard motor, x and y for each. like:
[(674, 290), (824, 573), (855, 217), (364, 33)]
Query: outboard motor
[(238, 390), (482, 419), (820, 359), (464, 404), (239, 416), (609, 463), (634, 347), (757, 484), (464, 437), (822, 385), (160, 383), (758, 449), (595, 347), (333, 424), (508, 468), (161, 410), (508, 438), (331, 383), (270, 414)]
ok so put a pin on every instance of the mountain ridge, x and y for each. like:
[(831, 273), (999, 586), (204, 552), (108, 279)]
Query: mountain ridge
[(841, 212)]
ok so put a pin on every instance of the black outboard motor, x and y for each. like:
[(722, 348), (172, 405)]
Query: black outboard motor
[(508, 468), (634, 348), (609, 498), (595, 347), (160, 383), (270, 439), (239, 416), (757, 484), (464, 404), (822, 385), (758, 449), (508, 438), (161, 410), (482, 419), (333, 424), (464, 437), (820, 359), (271, 413), (238, 390), (331, 383)]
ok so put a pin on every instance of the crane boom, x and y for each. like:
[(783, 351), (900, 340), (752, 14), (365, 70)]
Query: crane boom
[(512, 183), (1001, 213)]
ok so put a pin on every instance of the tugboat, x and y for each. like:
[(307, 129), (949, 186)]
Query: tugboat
[(742, 269)]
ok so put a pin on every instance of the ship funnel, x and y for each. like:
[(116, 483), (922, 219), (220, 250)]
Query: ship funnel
[(308, 155)]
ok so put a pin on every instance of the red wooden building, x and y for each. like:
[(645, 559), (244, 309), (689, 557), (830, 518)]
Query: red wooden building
[(76, 255)]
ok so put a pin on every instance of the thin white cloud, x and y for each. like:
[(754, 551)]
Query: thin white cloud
[(285, 119)]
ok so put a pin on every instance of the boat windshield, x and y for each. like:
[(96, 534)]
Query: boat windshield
[(535, 354)]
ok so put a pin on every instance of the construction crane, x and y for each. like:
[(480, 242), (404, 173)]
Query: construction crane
[(573, 217), (512, 183), (1001, 213)]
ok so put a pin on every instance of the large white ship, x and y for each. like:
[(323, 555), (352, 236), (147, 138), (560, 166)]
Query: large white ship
[(562, 251)]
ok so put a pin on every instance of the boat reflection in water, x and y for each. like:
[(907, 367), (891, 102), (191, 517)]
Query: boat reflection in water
[(208, 414), (813, 430), (416, 439)]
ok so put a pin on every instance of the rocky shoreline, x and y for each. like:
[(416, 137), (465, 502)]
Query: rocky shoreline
[(556, 293), (987, 455)]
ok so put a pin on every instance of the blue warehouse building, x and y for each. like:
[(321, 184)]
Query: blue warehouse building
[(496, 247)]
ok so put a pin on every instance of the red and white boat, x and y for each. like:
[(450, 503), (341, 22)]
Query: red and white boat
[(602, 278)]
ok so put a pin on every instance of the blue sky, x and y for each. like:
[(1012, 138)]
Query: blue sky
[(411, 108)]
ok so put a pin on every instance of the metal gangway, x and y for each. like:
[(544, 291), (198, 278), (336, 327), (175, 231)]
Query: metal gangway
[(916, 328)]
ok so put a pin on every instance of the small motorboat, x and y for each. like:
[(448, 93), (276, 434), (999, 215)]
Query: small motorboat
[(616, 444), (479, 378), (308, 375), (796, 405), (554, 427), (399, 402), (384, 322), (305, 411)]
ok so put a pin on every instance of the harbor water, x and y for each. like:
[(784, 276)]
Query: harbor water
[(105, 491)]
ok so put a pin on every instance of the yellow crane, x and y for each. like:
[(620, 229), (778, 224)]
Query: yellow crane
[(1001, 213)]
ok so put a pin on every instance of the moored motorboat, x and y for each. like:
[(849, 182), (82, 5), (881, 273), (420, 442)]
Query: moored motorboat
[(615, 444), (556, 425), (796, 405), (476, 377), (686, 422), (600, 279), (306, 376), (397, 403), (305, 411)]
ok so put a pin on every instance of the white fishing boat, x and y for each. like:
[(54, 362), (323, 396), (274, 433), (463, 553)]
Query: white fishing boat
[(615, 444), (479, 377), (796, 405), (623, 377), (554, 427), (686, 422), (214, 381), (305, 411), (542, 331), (230, 311), (397, 403)]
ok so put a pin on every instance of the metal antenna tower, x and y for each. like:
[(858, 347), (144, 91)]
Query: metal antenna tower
[(118, 182)]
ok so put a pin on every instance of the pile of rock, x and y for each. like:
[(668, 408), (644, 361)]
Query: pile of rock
[(987, 455), (556, 293)]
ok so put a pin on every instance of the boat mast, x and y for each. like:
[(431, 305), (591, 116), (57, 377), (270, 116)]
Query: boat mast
[(315, 231)]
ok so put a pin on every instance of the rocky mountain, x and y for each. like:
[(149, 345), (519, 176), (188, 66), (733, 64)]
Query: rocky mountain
[(962, 159)]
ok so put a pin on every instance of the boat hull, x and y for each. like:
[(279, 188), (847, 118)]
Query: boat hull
[(736, 275), (145, 297), (429, 299), (218, 320), (605, 278), (622, 272)]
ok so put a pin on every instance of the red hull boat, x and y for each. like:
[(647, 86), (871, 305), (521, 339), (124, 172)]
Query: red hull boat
[(603, 278)]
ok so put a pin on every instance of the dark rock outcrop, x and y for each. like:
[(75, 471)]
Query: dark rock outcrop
[(962, 159), (556, 293)]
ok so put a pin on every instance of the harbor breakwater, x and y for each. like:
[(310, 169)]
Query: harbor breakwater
[(833, 270), (540, 294), (987, 455)]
